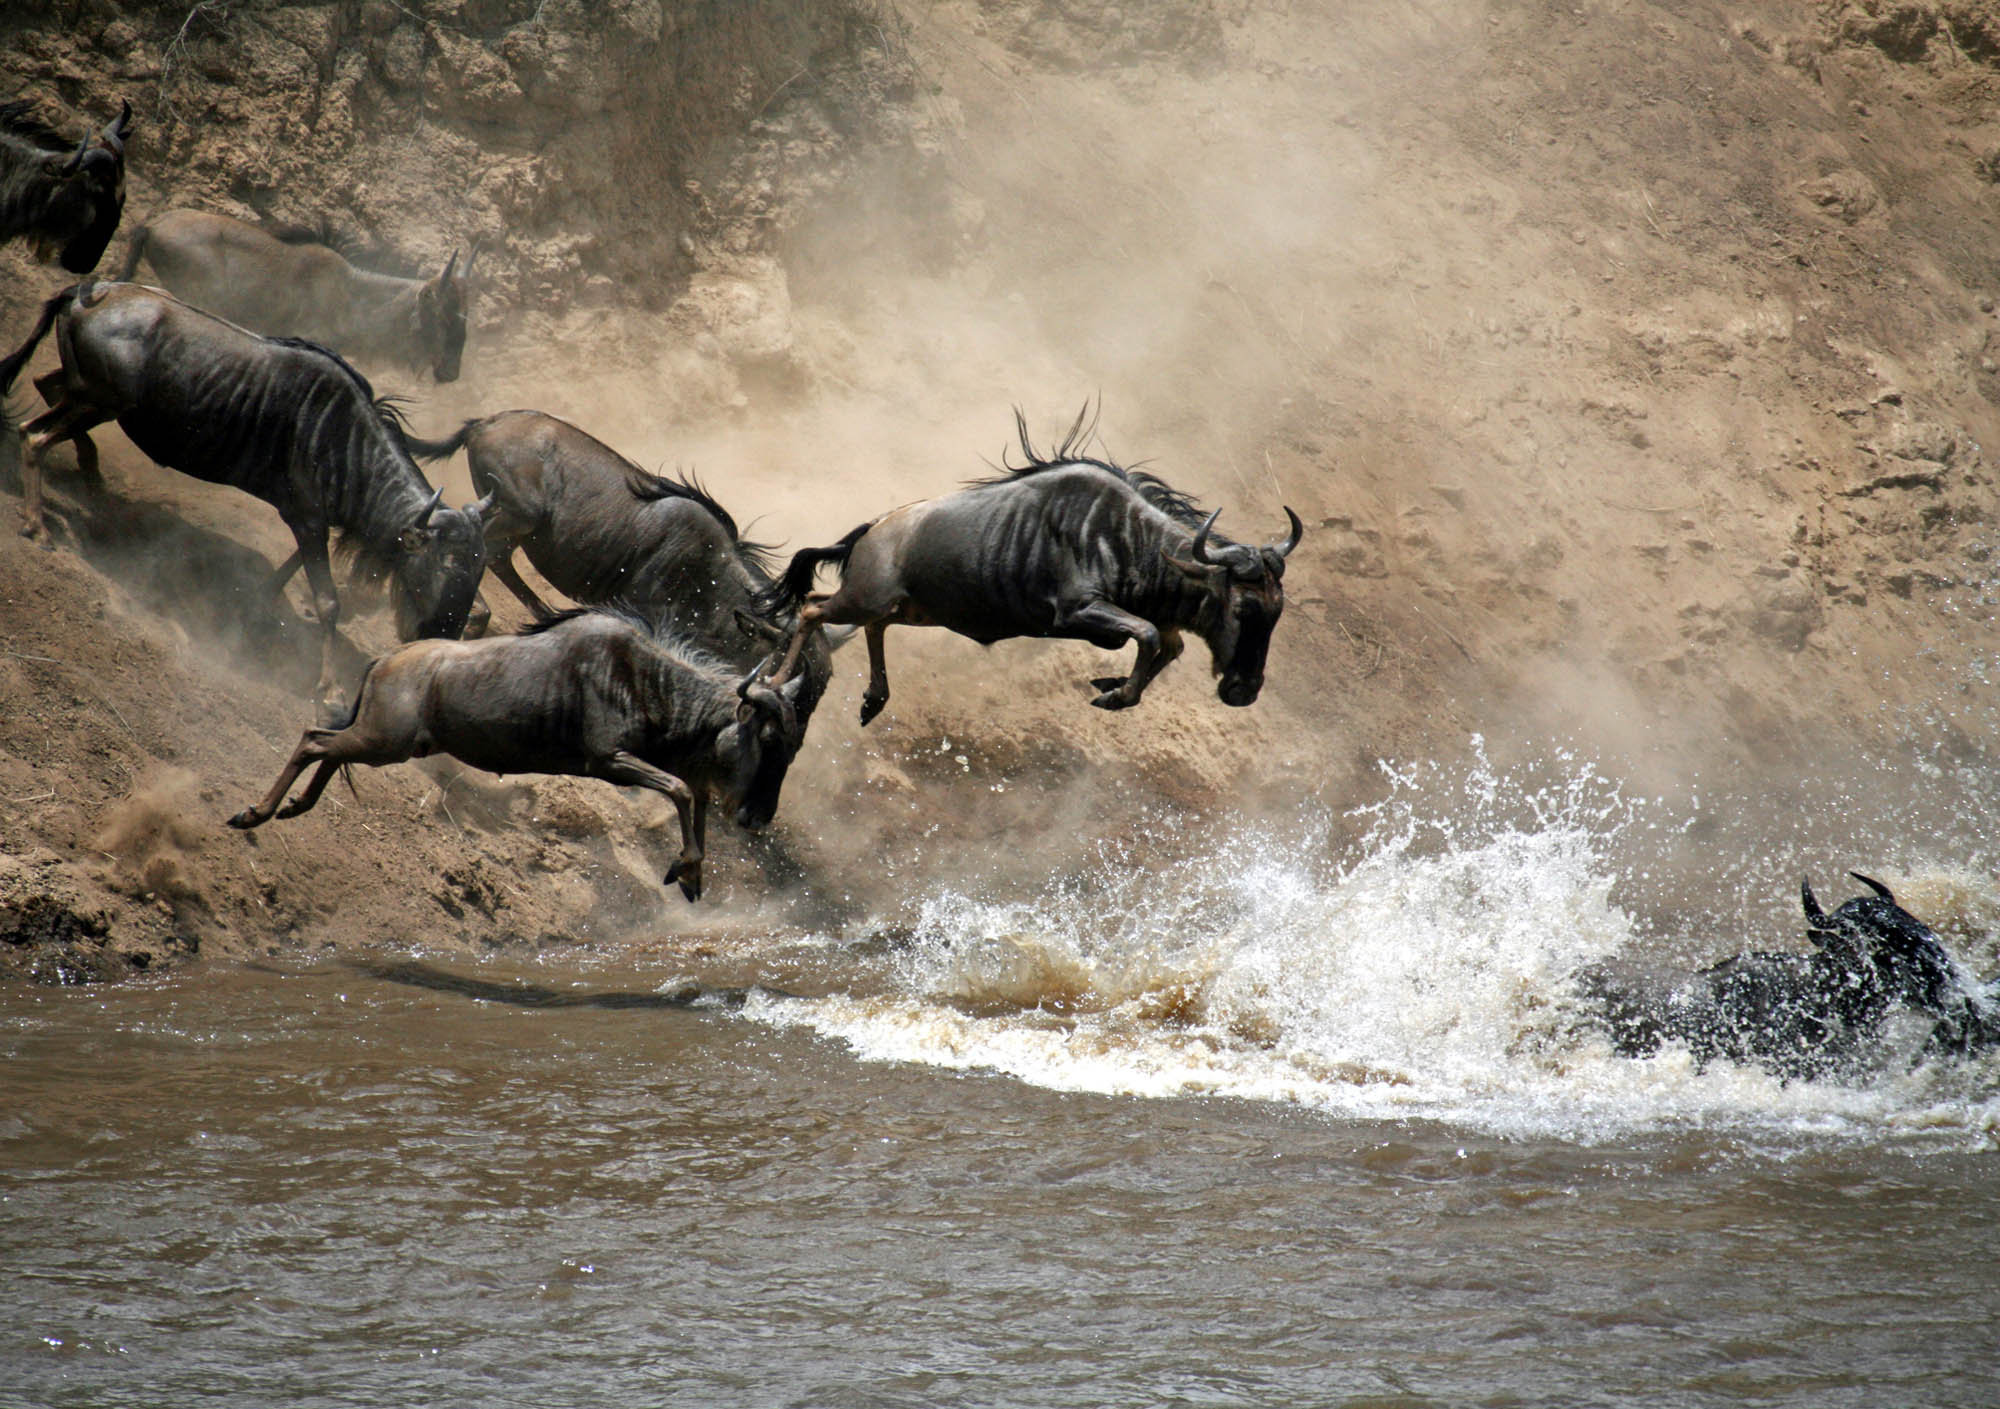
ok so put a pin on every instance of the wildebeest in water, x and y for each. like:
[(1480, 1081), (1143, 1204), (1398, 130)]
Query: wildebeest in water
[(1808, 1015), (282, 419), (64, 200), (590, 693), (603, 531), (289, 283), (1063, 546)]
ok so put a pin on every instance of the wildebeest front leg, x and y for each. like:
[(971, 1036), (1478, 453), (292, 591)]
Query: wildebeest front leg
[(1157, 650), (326, 602), (632, 771)]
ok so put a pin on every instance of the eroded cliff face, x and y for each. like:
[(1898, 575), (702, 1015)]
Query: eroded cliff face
[(1633, 366)]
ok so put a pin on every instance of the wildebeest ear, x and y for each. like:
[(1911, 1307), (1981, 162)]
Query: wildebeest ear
[(752, 625)]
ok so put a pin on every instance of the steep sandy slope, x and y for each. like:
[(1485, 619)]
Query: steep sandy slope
[(1631, 365)]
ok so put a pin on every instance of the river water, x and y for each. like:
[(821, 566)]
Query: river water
[(1275, 1131)]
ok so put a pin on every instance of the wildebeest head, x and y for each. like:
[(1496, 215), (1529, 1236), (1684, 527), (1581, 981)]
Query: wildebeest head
[(440, 558), (83, 208), (766, 738), (1246, 592), (442, 304), (1882, 950)]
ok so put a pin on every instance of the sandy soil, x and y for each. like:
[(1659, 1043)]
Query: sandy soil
[(1630, 365)]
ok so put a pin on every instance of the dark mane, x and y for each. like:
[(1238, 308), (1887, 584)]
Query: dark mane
[(761, 558), (550, 623), (22, 118), (1182, 508), (353, 375), (362, 254), (661, 633)]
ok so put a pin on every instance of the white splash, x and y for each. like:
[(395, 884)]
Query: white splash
[(1429, 979)]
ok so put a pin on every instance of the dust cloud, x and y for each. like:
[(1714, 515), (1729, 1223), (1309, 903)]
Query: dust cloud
[(1620, 448)]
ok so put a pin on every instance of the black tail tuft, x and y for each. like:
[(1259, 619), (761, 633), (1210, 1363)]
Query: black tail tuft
[(788, 593), (135, 251), (11, 368), (439, 449)]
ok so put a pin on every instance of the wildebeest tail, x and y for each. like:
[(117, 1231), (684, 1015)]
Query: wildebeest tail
[(11, 368), (788, 593), (135, 251), (439, 449)]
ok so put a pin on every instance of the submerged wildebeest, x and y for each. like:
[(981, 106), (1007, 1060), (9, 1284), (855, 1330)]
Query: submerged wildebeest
[(66, 201), (290, 283), (1062, 546), (602, 530), (1809, 1015), (282, 419), (590, 693)]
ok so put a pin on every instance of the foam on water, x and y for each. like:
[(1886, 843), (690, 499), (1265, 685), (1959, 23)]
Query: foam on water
[(1427, 977)]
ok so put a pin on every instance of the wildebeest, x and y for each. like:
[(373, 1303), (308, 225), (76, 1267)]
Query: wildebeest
[(1063, 546), (1808, 1015), (602, 530), (282, 419), (65, 200), (589, 693), (290, 284)]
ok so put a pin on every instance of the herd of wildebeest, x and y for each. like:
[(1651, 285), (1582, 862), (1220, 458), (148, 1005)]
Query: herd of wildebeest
[(691, 666)]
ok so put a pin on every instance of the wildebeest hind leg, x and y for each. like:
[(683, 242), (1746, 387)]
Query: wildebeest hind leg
[(629, 770), (510, 577), (314, 746), (316, 785), (810, 617), (877, 693), (63, 422)]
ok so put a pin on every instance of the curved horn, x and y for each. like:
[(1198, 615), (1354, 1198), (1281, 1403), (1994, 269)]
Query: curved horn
[(424, 514), (75, 159), (1815, 916), (450, 264), (1874, 885), (1284, 550), (120, 127), (1199, 549), (472, 254)]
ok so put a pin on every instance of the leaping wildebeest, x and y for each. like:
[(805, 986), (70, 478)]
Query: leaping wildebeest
[(1063, 546), (282, 419), (589, 693), (602, 530), (1807, 1015), (292, 284), (65, 200)]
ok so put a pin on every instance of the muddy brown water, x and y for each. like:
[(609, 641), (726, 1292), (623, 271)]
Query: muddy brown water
[(334, 1186)]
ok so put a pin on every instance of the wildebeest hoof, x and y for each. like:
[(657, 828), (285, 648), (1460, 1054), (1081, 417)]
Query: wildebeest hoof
[(1113, 699), (689, 876), (870, 707), (245, 820), (1108, 683), (32, 528)]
